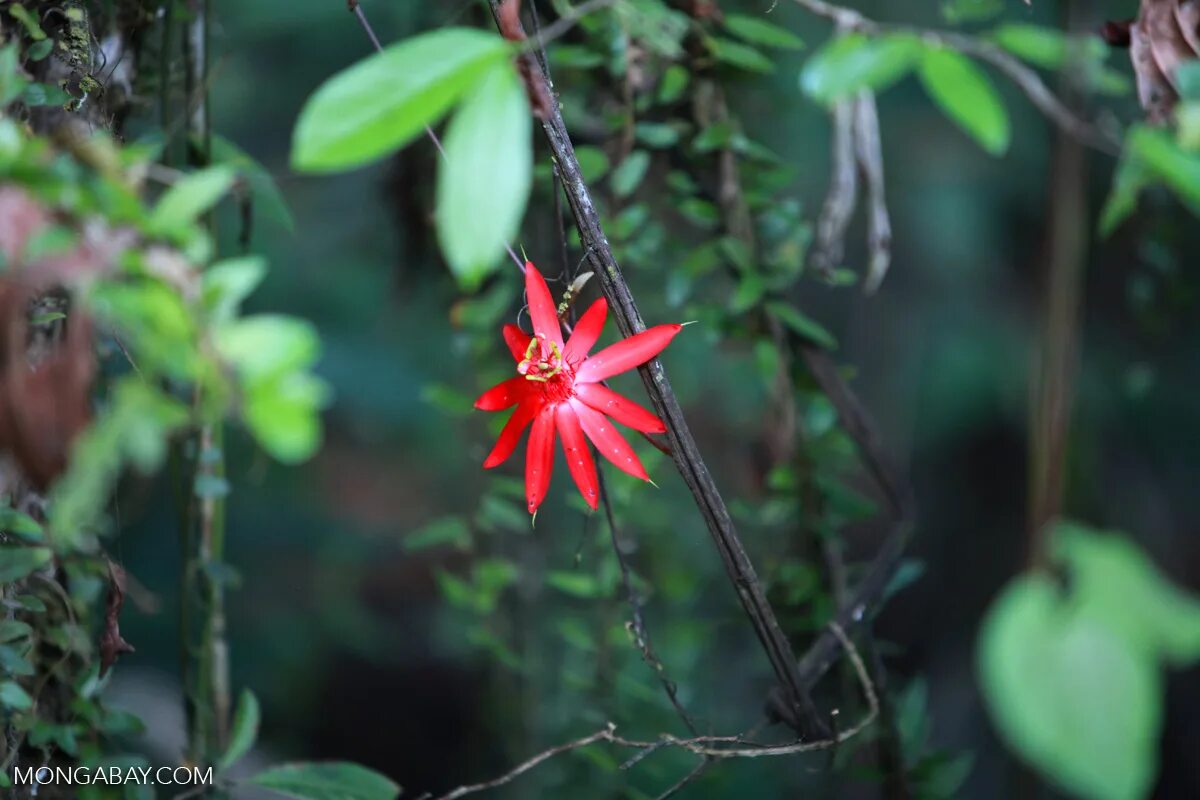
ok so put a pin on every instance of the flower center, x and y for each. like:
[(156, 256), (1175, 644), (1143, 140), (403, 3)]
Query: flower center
[(547, 365)]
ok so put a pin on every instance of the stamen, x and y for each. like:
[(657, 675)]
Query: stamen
[(541, 371)]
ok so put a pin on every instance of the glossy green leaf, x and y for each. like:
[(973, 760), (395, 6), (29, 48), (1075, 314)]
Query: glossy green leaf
[(593, 162), (21, 525), (330, 780), (12, 630), (575, 584), (802, 324), (853, 62), (381, 103), (757, 30), (265, 345), (20, 562), (281, 400), (14, 663), (483, 183), (674, 81), (966, 95), (657, 134), (628, 175), (40, 49), (447, 531), (227, 283), (190, 197), (13, 697), (739, 55), (1115, 582), (1068, 694), (244, 732)]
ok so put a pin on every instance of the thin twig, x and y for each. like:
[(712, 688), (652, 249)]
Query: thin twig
[(637, 625), (604, 734), (716, 747), (863, 599), (682, 783)]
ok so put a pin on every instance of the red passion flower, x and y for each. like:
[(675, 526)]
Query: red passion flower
[(558, 388)]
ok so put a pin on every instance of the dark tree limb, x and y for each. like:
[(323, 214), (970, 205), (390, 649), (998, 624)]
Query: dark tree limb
[(863, 600), (683, 445)]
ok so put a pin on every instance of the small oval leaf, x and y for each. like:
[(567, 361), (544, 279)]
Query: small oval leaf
[(965, 94)]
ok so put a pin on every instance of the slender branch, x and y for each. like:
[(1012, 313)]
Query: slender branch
[(683, 446), (1024, 76), (605, 734), (637, 625), (715, 747), (1056, 355), (682, 783), (864, 598)]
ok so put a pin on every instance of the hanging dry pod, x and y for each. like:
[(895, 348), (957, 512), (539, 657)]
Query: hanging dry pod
[(1164, 35)]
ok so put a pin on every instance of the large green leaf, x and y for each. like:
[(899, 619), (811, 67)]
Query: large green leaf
[(1113, 581), (380, 104), (854, 62), (483, 183), (1068, 694), (966, 95), (327, 781)]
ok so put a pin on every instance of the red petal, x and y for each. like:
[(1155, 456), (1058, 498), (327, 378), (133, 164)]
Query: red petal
[(622, 409), (608, 440), (542, 310), (579, 454), (539, 458), (511, 434), (517, 341), (627, 353), (505, 394), (586, 332)]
